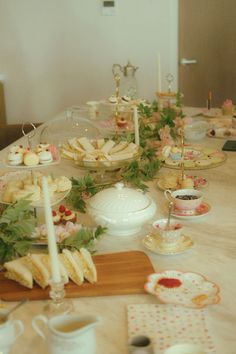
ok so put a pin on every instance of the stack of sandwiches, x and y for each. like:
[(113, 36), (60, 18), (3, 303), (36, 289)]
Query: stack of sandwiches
[(76, 266), (104, 151)]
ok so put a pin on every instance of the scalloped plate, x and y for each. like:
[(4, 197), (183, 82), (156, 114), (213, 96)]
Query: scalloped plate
[(199, 182), (183, 288)]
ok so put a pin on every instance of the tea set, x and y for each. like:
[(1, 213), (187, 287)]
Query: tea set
[(166, 236)]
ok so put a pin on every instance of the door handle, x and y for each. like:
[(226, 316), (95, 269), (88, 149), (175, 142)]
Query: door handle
[(184, 61)]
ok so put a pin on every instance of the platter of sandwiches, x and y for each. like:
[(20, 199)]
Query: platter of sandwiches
[(99, 153), (26, 185), (77, 266), (85, 275)]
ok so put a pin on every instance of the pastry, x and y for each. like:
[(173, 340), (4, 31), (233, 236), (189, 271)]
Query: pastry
[(63, 184), (15, 158), (17, 149), (18, 271), (34, 192), (8, 193), (31, 159), (203, 162), (41, 147), (45, 157), (39, 271), (187, 183), (175, 153), (85, 260), (72, 266), (68, 215)]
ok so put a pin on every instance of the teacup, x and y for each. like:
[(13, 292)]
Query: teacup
[(10, 330), (185, 349), (185, 199), (68, 334), (172, 235)]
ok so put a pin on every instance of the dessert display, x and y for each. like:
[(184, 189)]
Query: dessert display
[(98, 153), (22, 185), (77, 266), (180, 288), (195, 157), (42, 154)]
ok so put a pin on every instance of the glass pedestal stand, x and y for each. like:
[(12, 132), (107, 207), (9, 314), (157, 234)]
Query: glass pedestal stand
[(58, 304)]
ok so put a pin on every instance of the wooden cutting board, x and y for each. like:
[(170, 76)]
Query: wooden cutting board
[(118, 274)]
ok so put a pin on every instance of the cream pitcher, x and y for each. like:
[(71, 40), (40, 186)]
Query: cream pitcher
[(67, 334)]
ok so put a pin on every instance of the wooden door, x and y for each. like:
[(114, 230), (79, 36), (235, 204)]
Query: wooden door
[(207, 33)]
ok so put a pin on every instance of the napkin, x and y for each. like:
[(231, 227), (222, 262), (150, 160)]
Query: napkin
[(167, 325)]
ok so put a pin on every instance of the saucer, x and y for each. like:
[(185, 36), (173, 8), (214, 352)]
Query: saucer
[(199, 212), (154, 243)]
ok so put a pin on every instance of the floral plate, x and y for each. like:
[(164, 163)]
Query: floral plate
[(199, 212), (183, 288), (198, 181)]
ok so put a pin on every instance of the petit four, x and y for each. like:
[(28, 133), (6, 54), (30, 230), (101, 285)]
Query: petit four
[(31, 159), (45, 157), (41, 154), (15, 158)]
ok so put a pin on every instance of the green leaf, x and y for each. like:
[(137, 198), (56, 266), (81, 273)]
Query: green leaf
[(85, 237), (22, 247)]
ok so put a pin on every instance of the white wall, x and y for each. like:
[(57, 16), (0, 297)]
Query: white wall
[(56, 53)]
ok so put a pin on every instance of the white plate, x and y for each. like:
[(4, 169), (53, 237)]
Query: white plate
[(154, 243), (56, 199), (24, 167), (199, 212), (183, 288)]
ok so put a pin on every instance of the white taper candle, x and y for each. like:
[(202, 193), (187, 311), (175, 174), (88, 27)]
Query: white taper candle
[(159, 73), (136, 126), (52, 245)]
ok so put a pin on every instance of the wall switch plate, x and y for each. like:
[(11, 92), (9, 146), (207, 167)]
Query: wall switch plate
[(108, 7)]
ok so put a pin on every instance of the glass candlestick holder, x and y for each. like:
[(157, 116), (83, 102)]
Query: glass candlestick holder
[(58, 304)]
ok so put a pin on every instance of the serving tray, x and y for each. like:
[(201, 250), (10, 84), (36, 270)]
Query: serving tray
[(118, 274)]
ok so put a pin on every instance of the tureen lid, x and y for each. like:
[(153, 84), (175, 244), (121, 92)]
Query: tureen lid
[(119, 199)]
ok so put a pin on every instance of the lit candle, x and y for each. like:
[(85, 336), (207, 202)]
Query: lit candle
[(159, 73), (52, 245), (136, 126)]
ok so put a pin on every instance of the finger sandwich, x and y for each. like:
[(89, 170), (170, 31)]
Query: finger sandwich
[(18, 271)]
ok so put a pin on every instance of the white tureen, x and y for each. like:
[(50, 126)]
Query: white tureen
[(122, 210)]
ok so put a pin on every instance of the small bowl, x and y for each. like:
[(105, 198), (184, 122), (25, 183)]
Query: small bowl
[(196, 130), (185, 204)]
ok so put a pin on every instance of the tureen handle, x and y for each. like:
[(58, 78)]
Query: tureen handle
[(98, 218)]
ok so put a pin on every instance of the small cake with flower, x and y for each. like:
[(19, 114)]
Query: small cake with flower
[(175, 153), (228, 108)]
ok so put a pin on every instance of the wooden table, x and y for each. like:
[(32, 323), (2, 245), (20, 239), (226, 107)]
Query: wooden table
[(213, 255)]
